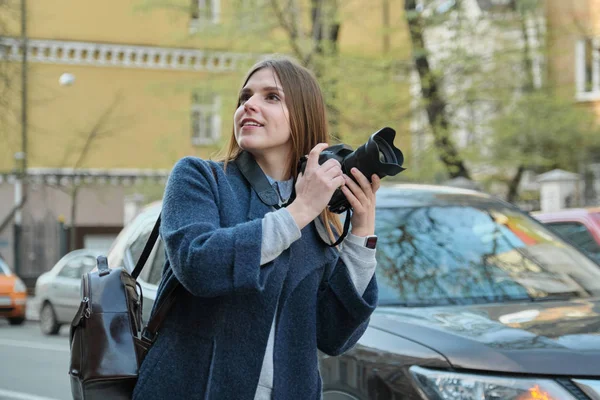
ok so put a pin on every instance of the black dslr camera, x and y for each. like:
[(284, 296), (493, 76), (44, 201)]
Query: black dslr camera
[(377, 156)]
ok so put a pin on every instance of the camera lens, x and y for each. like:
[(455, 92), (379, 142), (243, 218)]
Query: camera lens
[(386, 153)]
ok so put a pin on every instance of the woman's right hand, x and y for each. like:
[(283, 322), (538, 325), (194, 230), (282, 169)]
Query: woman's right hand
[(315, 187)]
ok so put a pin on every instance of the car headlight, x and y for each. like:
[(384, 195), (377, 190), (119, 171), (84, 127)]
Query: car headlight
[(442, 385), (19, 286)]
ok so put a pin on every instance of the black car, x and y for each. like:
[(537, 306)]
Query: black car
[(478, 301)]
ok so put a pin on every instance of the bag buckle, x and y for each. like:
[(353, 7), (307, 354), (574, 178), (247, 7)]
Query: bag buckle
[(148, 336)]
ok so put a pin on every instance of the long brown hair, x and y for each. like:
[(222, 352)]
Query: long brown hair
[(308, 118)]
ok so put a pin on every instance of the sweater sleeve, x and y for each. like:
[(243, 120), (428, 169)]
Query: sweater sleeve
[(208, 260), (279, 232), (359, 260)]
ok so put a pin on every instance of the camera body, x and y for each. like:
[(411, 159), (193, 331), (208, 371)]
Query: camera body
[(377, 156)]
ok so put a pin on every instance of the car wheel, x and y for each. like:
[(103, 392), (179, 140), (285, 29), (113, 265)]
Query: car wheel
[(48, 323), (16, 320)]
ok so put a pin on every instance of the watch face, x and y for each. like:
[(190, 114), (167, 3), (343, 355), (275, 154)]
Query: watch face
[(371, 242)]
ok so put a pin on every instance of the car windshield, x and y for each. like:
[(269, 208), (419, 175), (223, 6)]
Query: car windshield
[(481, 253), (4, 270)]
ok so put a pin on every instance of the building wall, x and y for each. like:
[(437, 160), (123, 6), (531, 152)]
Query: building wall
[(140, 118), (151, 126), (570, 22), (567, 20), (143, 22), (99, 212)]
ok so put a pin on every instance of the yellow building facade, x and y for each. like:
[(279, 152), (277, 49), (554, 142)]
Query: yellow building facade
[(117, 91), (574, 51), (154, 82)]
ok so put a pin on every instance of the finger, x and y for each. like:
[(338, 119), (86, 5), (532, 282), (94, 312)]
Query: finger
[(375, 183), (356, 205), (331, 163), (362, 180), (356, 190), (338, 182), (312, 162), (332, 173)]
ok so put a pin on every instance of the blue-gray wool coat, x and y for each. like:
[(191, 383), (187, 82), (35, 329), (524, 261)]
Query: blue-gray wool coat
[(212, 344)]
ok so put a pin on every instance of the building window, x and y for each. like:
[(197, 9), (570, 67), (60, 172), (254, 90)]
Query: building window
[(587, 69), (203, 13), (206, 119)]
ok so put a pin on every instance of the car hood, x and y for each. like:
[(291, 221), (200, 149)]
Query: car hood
[(7, 284), (557, 338)]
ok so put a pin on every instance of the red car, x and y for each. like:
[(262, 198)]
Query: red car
[(581, 226)]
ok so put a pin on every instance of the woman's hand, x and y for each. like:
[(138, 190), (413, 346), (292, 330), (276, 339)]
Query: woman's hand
[(315, 187), (361, 197)]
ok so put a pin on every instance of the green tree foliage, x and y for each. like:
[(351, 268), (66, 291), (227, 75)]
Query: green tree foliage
[(490, 107), (540, 132)]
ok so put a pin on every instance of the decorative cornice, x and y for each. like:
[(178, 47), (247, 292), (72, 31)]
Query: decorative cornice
[(68, 177), (121, 55)]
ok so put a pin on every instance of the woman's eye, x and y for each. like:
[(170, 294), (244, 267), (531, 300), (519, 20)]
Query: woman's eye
[(244, 98), (272, 96)]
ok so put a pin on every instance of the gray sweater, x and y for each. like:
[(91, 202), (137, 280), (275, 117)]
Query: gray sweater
[(279, 232)]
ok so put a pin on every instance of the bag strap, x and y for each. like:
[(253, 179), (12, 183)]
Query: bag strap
[(147, 250)]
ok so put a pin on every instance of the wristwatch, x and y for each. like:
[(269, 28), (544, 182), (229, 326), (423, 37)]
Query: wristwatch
[(371, 241)]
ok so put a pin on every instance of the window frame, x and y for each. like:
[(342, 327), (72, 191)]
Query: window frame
[(587, 69), (203, 134), (198, 17)]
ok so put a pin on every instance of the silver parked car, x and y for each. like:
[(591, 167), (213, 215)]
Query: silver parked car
[(127, 248), (59, 290)]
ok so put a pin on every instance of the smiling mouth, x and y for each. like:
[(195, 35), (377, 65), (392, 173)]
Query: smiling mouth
[(250, 123)]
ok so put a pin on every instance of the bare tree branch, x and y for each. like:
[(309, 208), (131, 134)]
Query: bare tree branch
[(289, 28)]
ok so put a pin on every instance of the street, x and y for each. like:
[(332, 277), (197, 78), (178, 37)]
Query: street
[(33, 366)]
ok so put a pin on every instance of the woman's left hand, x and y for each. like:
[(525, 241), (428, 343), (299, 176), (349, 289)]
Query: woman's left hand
[(361, 197)]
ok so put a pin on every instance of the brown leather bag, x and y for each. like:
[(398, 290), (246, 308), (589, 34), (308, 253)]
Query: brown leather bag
[(108, 339)]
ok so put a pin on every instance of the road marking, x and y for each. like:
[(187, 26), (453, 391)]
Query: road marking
[(21, 396), (32, 345)]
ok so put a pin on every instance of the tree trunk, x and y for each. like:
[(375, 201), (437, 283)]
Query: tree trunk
[(430, 90), (528, 87), (513, 185), (325, 34)]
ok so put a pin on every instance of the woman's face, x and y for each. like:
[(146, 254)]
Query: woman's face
[(261, 122)]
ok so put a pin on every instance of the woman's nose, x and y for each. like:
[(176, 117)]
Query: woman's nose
[(249, 104)]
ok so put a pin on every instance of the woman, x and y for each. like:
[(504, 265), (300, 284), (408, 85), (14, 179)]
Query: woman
[(263, 289)]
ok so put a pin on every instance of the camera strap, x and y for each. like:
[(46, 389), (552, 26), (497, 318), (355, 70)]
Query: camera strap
[(346, 229), (261, 185), (257, 178)]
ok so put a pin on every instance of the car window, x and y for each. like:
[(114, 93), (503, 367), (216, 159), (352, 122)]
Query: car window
[(87, 264), (72, 269), (157, 264), (437, 255), (577, 234), (4, 270)]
